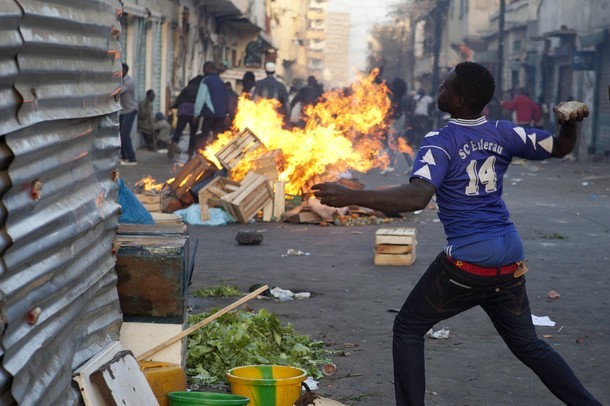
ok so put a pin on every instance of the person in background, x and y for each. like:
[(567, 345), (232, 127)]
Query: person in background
[(307, 95), (162, 130), (423, 105), (129, 110), (145, 120), (271, 88), (185, 103), (248, 81), (398, 111), (463, 164), (232, 99), (526, 111), (210, 107)]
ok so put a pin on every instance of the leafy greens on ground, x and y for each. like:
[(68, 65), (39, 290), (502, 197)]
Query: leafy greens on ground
[(248, 338)]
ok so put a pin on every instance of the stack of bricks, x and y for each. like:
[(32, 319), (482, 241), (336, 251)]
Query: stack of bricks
[(395, 246)]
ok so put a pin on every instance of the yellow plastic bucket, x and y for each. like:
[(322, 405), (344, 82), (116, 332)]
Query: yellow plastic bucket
[(267, 385)]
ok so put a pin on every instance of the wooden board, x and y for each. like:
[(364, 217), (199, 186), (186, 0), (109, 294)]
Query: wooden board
[(393, 249), (274, 209), (167, 218), (121, 382), (89, 392), (396, 236)]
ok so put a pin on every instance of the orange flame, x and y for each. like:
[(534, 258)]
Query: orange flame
[(149, 184), (344, 130)]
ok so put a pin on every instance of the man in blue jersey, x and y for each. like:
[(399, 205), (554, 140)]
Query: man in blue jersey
[(482, 265)]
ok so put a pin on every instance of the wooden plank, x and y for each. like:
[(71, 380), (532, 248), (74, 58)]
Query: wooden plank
[(393, 249), (90, 393), (121, 382), (394, 259), (279, 199)]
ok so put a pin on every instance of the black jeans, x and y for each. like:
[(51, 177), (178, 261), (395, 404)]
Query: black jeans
[(444, 291), (210, 127), (181, 125)]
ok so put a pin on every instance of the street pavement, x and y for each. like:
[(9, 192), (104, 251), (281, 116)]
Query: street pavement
[(562, 211)]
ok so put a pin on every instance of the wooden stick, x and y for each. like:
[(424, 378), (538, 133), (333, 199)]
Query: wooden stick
[(202, 323)]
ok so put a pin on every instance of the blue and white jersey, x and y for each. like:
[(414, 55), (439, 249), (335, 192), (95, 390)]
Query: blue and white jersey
[(466, 161)]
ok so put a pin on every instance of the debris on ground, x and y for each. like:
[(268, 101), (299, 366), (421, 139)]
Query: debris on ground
[(542, 321), (292, 252), (553, 295), (439, 334)]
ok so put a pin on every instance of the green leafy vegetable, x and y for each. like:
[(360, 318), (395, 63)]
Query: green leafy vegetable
[(218, 291), (248, 338)]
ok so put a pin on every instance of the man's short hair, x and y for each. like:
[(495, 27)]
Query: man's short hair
[(475, 84)]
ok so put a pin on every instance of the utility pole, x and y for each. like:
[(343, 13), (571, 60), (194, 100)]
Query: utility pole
[(439, 13), (500, 57)]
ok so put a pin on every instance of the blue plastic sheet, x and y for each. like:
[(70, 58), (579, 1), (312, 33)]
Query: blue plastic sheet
[(133, 211), (192, 215)]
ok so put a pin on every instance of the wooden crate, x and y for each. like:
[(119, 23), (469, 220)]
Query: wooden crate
[(195, 170), (151, 201), (269, 164), (230, 155), (210, 194), (253, 194), (395, 246)]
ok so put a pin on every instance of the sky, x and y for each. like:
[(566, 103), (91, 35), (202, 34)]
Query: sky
[(363, 15)]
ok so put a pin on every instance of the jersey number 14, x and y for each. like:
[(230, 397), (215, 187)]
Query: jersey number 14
[(485, 176)]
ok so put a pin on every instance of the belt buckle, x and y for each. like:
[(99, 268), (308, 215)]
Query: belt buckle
[(521, 269)]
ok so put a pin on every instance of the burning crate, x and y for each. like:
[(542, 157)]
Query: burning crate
[(195, 170), (395, 246), (210, 194), (233, 152), (270, 164), (253, 195)]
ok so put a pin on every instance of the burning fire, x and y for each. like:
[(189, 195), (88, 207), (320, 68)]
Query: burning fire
[(345, 130), (148, 184)]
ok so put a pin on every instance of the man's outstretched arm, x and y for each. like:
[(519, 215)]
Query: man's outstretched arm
[(392, 200)]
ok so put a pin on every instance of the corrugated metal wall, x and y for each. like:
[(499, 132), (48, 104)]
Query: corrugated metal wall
[(59, 144)]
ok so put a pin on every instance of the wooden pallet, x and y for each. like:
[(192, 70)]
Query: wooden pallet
[(210, 194), (395, 246), (253, 194), (230, 155), (195, 170), (151, 201), (269, 164)]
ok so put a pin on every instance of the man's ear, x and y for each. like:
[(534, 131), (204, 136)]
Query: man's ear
[(460, 102)]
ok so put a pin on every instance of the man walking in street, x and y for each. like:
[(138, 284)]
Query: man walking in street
[(463, 164), (211, 107), (126, 118), (271, 88), (146, 120), (185, 103)]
